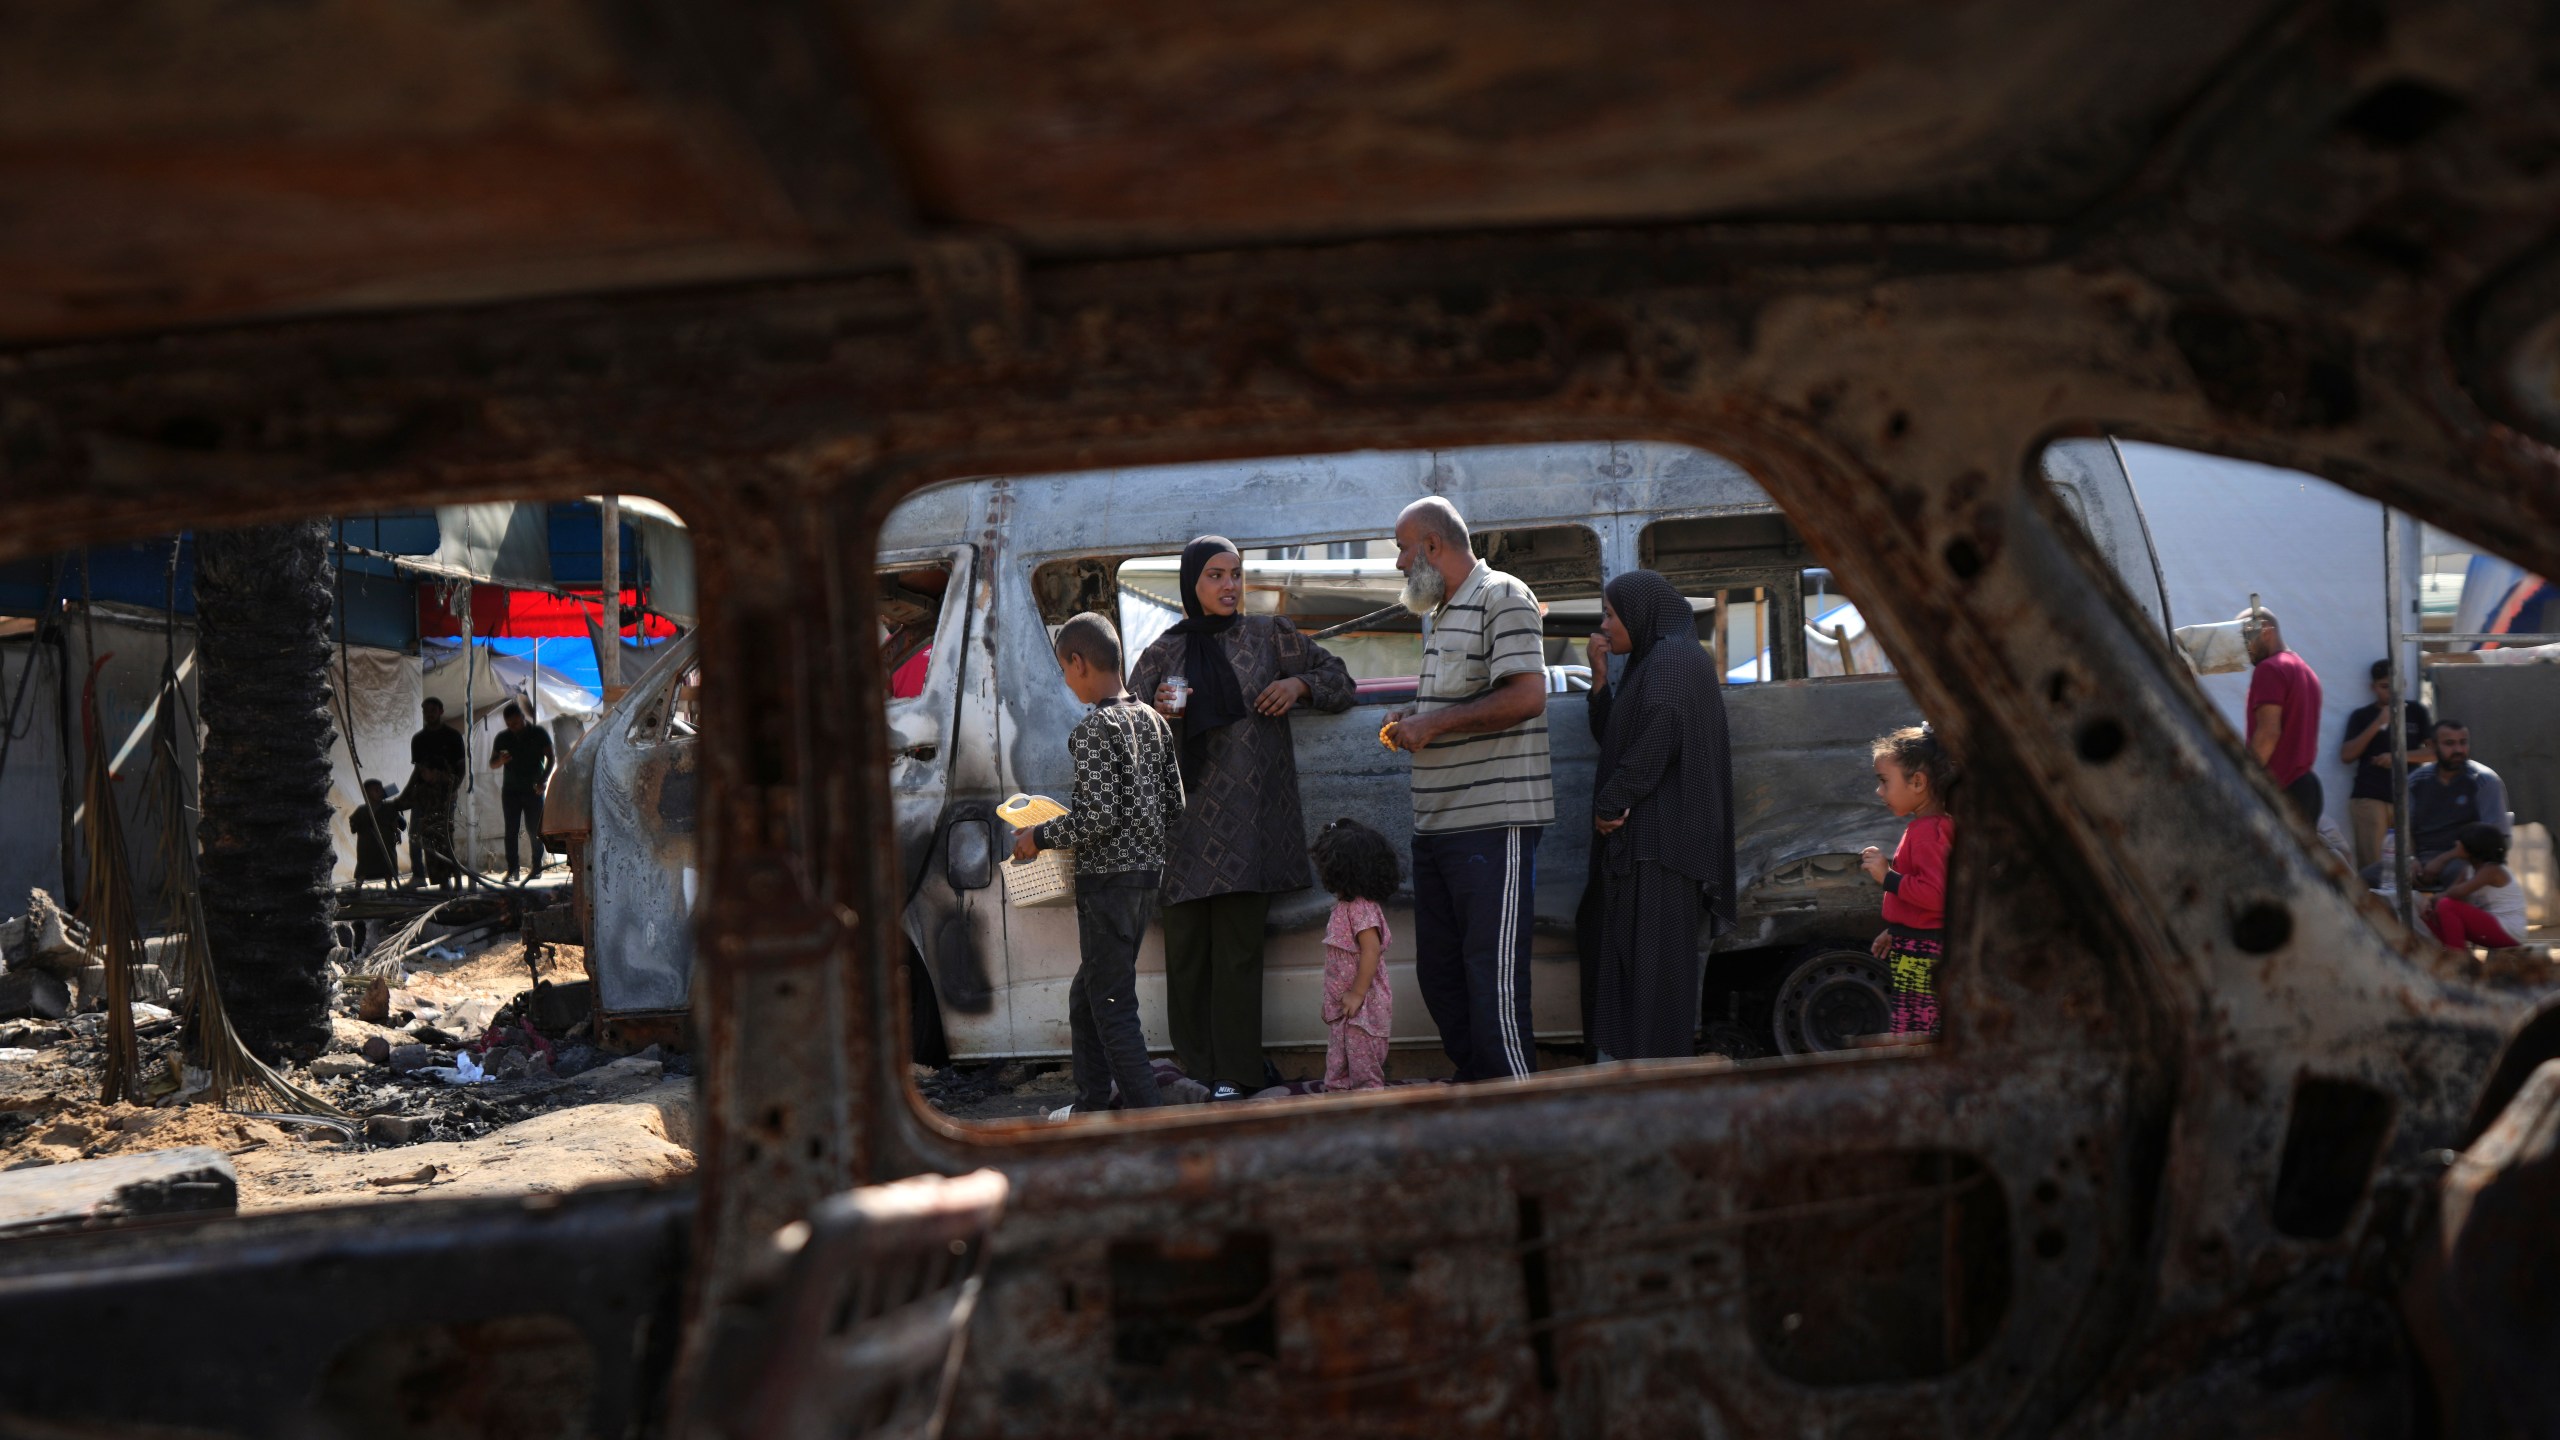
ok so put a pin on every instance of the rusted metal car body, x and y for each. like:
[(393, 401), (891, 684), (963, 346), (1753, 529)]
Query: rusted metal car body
[(2174, 1166), (623, 803)]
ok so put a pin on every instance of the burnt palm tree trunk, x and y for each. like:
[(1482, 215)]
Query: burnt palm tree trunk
[(262, 647)]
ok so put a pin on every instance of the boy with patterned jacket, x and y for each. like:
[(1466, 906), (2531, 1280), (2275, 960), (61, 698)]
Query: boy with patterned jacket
[(1126, 801)]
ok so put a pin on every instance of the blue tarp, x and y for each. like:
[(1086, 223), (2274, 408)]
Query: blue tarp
[(381, 605), (570, 658)]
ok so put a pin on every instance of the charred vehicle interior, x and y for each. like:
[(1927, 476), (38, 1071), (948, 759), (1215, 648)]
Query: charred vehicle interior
[(889, 300)]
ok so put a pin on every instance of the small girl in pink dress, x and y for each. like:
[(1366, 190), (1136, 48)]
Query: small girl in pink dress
[(1358, 865)]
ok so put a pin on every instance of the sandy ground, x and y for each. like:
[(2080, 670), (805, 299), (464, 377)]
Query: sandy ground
[(624, 1121), (647, 1136)]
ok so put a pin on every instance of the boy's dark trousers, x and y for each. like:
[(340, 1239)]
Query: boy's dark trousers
[(1108, 1043), (1471, 911)]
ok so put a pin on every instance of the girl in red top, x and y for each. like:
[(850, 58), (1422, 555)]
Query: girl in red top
[(1913, 775)]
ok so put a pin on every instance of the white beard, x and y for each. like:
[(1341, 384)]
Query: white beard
[(1424, 588)]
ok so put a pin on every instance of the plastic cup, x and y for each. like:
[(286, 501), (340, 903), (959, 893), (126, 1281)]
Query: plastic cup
[(1181, 696)]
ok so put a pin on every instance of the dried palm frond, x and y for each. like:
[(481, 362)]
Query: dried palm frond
[(236, 1079), (108, 899)]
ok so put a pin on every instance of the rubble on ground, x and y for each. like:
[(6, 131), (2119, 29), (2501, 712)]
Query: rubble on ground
[(188, 1180), (461, 1040)]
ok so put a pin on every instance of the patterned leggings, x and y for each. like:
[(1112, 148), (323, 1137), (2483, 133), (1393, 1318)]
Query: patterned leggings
[(1354, 1059), (1912, 958)]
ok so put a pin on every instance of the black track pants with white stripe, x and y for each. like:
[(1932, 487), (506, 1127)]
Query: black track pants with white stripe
[(1471, 909)]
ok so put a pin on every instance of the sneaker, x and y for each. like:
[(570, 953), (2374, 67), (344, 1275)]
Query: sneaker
[(1225, 1092), (1062, 1112)]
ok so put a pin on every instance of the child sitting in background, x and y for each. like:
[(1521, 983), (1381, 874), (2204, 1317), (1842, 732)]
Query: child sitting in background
[(1359, 867), (378, 828), (2485, 907), (1913, 774), (1126, 801)]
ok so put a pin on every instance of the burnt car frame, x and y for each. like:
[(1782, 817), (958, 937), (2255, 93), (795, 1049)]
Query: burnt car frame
[(2173, 1167)]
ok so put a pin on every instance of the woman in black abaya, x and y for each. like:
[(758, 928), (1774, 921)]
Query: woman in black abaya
[(1664, 810)]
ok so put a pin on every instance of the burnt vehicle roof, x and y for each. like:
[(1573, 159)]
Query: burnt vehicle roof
[(166, 163)]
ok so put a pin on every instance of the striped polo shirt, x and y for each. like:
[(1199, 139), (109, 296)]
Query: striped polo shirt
[(1486, 631)]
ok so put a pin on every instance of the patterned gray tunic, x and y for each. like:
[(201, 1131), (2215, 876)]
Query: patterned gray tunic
[(1242, 830)]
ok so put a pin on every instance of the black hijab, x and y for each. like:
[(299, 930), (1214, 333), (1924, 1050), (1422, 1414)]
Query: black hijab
[(1217, 699), (1685, 825)]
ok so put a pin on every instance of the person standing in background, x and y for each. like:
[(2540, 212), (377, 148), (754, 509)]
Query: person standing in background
[(1664, 812), (1243, 837), (1126, 802), (2368, 748), (2284, 714), (1915, 776), (437, 761), (524, 753), (1483, 791)]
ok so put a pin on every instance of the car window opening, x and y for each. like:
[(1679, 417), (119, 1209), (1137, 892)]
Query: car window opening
[(1792, 957)]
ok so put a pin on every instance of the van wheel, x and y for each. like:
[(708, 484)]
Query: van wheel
[(926, 1042), (1830, 998)]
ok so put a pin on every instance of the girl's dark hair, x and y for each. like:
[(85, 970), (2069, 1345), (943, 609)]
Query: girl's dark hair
[(1355, 862), (2485, 843), (1918, 751)]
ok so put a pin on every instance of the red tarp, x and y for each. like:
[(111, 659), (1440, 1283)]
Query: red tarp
[(528, 614)]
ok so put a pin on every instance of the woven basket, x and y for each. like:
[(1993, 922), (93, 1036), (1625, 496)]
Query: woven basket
[(1048, 879)]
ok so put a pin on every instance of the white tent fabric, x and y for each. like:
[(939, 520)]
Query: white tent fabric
[(135, 649), (505, 544), (494, 679), (1144, 618), (1822, 653), (31, 783)]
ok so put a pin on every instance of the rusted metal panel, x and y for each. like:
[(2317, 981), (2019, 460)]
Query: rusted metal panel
[(631, 797), (2154, 961), (434, 1318), (858, 1318)]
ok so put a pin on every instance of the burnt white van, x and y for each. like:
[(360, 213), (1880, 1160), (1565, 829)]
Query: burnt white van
[(974, 577)]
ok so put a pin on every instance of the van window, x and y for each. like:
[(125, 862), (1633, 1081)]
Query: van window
[(1322, 586), (1315, 586), (1837, 642), (910, 611), (671, 714), (1744, 576)]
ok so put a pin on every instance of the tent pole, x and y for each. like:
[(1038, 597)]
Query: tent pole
[(470, 842), (610, 510), (2397, 718)]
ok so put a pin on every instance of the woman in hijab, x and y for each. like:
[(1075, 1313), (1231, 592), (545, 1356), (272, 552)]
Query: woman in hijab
[(1242, 839), (1664, 810)]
